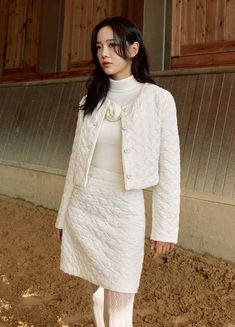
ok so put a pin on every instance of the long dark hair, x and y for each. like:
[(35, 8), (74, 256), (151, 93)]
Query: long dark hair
[(126, 34)]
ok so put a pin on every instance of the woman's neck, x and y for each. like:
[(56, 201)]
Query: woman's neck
[(124, 85)]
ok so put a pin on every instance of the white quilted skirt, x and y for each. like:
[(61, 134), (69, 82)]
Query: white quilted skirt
[(104, 233)]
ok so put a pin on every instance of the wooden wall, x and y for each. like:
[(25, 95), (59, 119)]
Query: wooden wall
[(79, 19), (19, 35), (22, 34), (203, 33)]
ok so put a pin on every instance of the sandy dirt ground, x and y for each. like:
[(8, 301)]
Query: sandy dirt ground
[(182, 289)]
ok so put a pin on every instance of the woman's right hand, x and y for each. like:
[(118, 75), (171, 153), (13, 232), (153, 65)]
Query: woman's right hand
[(58, 234)]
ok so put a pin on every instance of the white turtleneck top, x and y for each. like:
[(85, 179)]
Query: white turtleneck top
[(107, 154)]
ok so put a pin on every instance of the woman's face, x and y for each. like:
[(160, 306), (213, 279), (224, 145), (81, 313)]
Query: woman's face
[(112, 64)]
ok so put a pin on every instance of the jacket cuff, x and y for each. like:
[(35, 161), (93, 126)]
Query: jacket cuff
[(170, 238)]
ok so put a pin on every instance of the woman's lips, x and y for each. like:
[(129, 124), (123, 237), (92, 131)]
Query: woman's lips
[(106, 64)]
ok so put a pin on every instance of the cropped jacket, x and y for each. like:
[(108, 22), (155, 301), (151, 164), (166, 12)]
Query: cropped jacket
[(150, 155)]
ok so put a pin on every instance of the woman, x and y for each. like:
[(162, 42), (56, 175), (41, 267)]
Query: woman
[(126, 140)]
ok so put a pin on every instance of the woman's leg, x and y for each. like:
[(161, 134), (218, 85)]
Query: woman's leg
[(98, 304), (118, 309)]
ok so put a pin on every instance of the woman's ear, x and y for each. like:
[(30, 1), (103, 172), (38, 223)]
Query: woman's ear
[(134, 48)]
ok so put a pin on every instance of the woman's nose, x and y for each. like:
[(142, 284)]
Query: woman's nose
[(105, 52)]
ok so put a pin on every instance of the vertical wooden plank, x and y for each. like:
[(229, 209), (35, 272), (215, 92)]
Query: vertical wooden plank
[(229, 22), (200, 21), (133, 12), (82, 30), (18, 29), (18, 26), (184, 18), (98, 10), (10, 40), (37, 18), (85, 15), (22, 32), (210, 20), (12, 47), (66, 42), (85, 31), (4, 7), (176, 27), (109, 8), (27, 30), (118, 8), (191, 22), (23, 29), (220, 20), (87, 41), (75, 33)]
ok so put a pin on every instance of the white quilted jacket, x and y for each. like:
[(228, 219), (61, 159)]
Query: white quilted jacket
[(151, 156)]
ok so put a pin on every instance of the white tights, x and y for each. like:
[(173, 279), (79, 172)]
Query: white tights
[(112, 309)]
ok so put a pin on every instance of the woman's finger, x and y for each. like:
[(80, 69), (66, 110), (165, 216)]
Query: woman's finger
[(159, 249), (58, 233), (152, 244)]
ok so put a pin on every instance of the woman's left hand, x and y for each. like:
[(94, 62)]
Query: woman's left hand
[(161, 248)]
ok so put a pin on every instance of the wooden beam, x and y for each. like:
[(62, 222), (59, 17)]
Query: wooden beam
[(212, 47), (202, 60)]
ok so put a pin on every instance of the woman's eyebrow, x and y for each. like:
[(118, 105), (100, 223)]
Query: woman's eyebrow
[(109, 40)]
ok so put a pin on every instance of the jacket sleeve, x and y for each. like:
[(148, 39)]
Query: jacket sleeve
[(69, 180), (166, 194)]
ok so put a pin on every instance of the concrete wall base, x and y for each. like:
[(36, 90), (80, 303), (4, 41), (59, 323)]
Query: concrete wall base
[(208, 227), (38, 187), (205, 226)]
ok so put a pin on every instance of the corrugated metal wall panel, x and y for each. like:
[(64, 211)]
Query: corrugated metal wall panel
[(206, 119), (37, 124)]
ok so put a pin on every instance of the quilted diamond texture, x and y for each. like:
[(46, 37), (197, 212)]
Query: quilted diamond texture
[(151, 157)]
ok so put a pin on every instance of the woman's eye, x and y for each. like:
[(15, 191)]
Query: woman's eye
[(98, 47), (112, 45)]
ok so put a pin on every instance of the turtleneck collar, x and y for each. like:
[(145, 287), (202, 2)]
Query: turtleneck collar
[(123, 85)]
